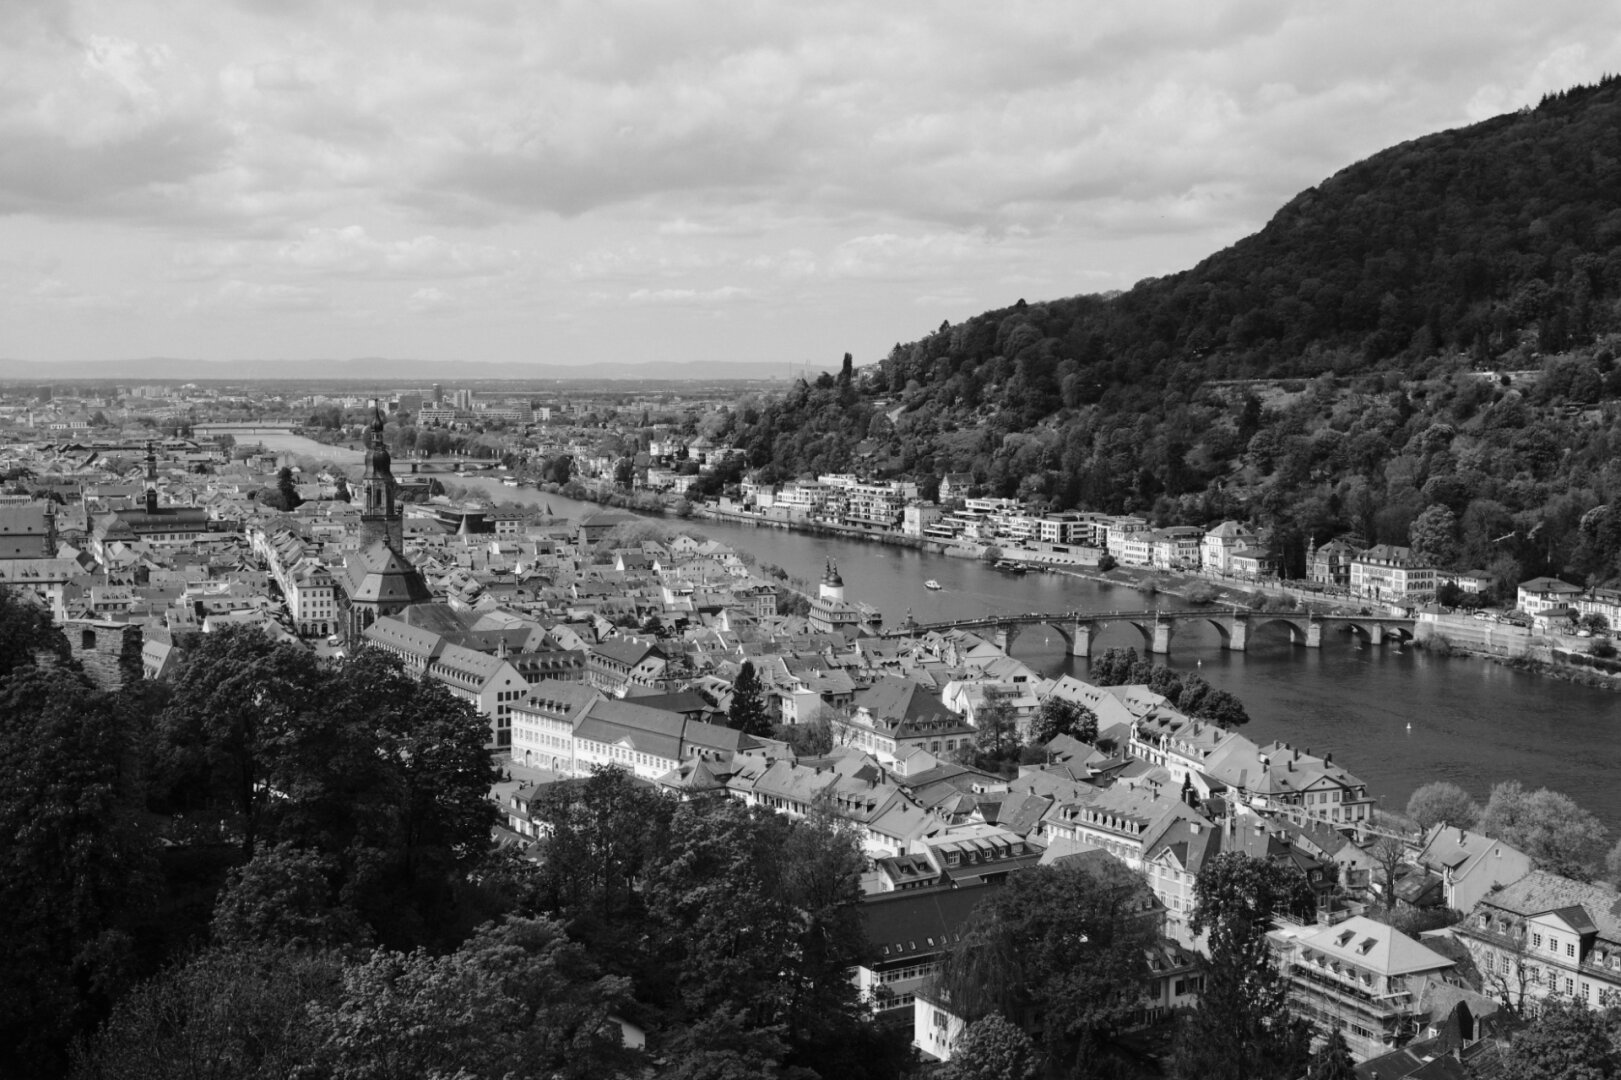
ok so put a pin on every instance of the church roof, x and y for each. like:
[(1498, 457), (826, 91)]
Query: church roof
[(380, 575)]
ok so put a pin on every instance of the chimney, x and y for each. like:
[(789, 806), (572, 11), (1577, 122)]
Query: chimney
[(1460, 835)]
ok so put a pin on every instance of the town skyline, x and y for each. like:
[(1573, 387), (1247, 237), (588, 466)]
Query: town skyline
[(578, 187)]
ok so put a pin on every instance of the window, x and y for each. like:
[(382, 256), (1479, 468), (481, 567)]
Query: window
[(1536, 941), (1553, 944), (1570, 948)]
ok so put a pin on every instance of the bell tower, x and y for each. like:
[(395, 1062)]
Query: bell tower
[(151, 479), (379, 515)]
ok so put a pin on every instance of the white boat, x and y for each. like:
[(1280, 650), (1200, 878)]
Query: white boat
[(931, 584)]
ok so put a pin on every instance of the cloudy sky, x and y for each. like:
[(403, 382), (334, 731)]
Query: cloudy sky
[(580, 181)]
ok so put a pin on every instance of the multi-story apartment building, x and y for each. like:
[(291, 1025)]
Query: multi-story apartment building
[(312, 599), (1361, 977), (1220, 544), (543, 725), (1546, 936), (1391, 572)]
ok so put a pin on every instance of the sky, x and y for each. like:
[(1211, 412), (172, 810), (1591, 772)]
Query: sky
[(590, 181)]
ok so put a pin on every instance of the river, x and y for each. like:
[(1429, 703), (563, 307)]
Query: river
[(1396, 719)]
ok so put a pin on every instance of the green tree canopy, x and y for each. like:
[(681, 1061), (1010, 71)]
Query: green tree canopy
[(1551, 828), (1241, 1028), (1442, 802), (1061, 949), (992, 1048)]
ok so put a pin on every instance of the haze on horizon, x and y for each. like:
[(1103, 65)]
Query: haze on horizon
[(580, 183)]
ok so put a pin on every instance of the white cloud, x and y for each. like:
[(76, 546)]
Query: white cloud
[(834, 163), (725, 294)]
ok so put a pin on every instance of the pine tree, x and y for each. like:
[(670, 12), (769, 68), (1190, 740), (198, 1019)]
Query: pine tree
[(747, 713)]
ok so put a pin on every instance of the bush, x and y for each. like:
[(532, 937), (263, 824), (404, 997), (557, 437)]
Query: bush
[(1601, 649)]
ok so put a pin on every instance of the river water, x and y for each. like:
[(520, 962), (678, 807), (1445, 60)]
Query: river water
[(1397, 719)]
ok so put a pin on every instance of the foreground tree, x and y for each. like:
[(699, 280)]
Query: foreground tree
[(517, 1001), (237, 696), (1559, 836), (285, 896), (77, 867), (1242, 1029), (991, 1048), (1060, 948), (1566, 1041), (756, 916), (1442, 802), (240, 1013)]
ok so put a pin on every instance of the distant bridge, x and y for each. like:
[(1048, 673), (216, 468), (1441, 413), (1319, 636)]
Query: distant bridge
[(209, 428), (1080, 628)]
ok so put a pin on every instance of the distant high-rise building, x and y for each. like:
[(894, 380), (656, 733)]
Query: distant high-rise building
[(464, 399)]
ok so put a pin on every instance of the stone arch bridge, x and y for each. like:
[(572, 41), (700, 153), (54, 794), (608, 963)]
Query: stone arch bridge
[(1157, 628)]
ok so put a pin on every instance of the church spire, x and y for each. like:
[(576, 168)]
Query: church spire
[(379, 516), (151, 478)]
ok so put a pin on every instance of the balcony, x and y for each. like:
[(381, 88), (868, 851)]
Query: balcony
[(1361, 1001)]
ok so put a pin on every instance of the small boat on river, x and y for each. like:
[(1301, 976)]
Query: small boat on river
[(931, 584)]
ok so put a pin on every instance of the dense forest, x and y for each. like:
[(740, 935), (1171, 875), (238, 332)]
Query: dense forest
[(1421, 349)]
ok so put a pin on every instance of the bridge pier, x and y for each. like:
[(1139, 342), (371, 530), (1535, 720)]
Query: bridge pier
[(1161, 643), (1376, 634), (1080, 640), (1003, 637), (1314, 634), (1238, 633)]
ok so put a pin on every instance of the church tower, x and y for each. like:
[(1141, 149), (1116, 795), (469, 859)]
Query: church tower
[(379, 515), (151, 479), (832, 587), (377, 580)]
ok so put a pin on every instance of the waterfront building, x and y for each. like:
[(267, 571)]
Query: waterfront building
[(1544, 593), (1330, 565), (1392, 573), (1224, 541)]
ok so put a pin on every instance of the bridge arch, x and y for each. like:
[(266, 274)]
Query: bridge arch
[(1144, 628), (1015, 628), (1295, 626)]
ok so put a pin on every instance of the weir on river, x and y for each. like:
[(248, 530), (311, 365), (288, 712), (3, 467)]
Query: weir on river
[(1397, 719)]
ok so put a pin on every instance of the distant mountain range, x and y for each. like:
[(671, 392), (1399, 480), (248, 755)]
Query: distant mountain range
[(378, 368)]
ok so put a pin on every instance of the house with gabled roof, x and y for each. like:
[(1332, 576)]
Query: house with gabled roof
[(1469, 864)]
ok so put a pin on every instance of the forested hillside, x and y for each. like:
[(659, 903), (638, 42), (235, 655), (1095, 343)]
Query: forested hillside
[(1341, 371)]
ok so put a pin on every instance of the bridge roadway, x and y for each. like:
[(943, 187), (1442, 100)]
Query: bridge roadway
[(1079, 628)]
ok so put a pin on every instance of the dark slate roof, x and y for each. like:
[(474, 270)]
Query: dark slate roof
[(919, 922), (380, 575)]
